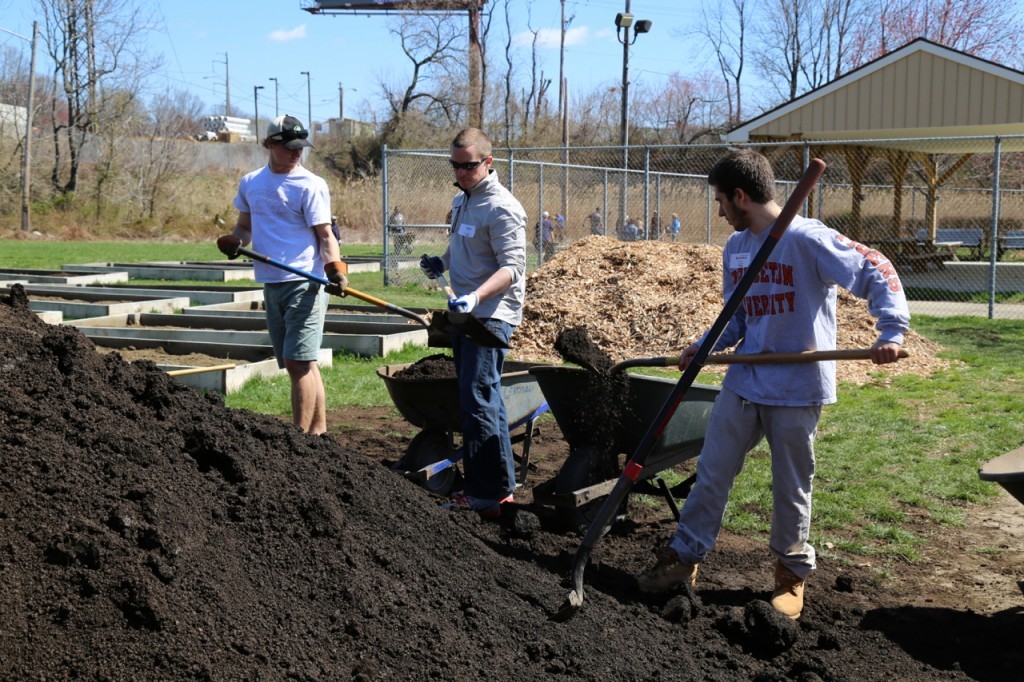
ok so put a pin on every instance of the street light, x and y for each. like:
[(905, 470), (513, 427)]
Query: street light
[(309, 104), (256, 99), (26, 157), (275, 96), (623, 21)]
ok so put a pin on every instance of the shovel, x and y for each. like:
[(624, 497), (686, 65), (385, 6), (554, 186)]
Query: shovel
[(755, 358), (434, 340), (635, 465), (469, 325)]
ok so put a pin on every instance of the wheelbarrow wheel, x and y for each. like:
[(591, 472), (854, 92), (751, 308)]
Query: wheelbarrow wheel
[(586, 466), (429, 446)]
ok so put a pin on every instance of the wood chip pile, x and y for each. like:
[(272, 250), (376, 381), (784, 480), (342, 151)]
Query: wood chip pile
[(643, 299)]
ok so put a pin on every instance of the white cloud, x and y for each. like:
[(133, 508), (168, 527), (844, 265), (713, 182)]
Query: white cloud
[(550, 38), (283, 36)]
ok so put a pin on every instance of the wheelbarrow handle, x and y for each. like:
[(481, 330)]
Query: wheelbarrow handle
[(757, 358)]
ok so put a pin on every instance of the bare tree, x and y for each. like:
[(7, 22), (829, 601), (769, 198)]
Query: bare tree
[(682, 111), (984, 28), (725, 27), (508, 77), (95, 45), (163, 147), (430, 42)]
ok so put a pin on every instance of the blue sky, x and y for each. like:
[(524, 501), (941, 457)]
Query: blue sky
[(266, 39)]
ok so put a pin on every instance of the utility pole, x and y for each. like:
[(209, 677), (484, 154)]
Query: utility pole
[(561, 71), (309, 104), (256, 100), (26, 157), (475, 91), (227, 85), (276, 114)]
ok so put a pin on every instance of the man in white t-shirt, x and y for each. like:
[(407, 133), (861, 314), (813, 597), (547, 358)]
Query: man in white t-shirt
[(284, 210)]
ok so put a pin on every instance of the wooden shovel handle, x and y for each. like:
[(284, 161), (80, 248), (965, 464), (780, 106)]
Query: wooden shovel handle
[(806, 356)]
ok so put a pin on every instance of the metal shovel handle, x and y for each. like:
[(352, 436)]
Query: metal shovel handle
[(349, 291)]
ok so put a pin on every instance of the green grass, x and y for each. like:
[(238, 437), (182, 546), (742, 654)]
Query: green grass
[(897, 460), (52, 255)]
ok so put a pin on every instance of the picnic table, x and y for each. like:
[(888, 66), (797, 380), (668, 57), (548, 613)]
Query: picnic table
[(917, 254)]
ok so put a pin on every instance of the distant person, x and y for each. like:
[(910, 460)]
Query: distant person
[(791, 307), (486, 257), (632, 231), (285, 210), (396, 223), (559, 227), (596, 222), (655, 227), (547, 234), (336, 229), (673, 228)]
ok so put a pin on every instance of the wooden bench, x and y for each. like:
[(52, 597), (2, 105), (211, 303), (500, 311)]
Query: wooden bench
[(1008, 471)]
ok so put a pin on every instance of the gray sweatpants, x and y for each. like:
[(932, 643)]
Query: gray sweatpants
[(735, 427)]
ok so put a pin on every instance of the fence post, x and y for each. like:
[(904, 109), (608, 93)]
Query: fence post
[(384, 218), (993, 256), (707, 225), (604, 205), (540, 214), (647, 193), (657, 204), (511, 171), (807, 161)]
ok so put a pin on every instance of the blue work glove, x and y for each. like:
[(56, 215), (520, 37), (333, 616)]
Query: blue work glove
[(431, 266), (464, 304)]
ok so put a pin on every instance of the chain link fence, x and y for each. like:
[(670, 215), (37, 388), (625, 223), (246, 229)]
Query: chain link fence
[(948, 212)]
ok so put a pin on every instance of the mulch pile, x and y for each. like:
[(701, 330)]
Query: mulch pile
[(148, 532), (645, 299)]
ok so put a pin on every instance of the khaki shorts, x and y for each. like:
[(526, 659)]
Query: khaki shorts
[(295, 319)]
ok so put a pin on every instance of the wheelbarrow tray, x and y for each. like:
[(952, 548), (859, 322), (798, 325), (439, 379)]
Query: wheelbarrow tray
[(1008, 471), (566, 390), (434, 403)]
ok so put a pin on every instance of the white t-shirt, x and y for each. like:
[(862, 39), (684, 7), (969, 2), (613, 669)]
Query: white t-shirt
[(284, 208)]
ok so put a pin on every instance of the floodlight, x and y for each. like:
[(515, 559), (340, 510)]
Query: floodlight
[(623, 19), (642, 26)]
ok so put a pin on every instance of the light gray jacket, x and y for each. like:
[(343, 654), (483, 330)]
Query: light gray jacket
[(488, 232)]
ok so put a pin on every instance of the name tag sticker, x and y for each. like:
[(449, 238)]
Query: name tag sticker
[(466, 230), (739, 260)]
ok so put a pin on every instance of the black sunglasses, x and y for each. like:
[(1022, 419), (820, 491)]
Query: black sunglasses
[(469, 165), (289, 135)]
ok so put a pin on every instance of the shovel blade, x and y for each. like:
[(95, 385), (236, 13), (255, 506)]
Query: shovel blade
[(439, 331), (476, 330)]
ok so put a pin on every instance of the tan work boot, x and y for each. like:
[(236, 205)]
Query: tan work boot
[(788, 597), (667, 573)]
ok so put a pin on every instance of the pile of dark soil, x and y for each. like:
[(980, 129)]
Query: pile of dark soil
[(147, 532), (438, 366)]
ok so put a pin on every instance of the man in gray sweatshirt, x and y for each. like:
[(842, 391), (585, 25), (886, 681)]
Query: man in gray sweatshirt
[(791, 307), (486, 255)]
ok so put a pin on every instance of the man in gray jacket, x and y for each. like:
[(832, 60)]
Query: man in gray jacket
[(486, 256)]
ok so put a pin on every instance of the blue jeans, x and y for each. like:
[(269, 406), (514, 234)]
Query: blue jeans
[(487, 463)]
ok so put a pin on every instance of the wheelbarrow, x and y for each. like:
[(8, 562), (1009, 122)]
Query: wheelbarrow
[(590, 472), (1008, 471), (433, 405)]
